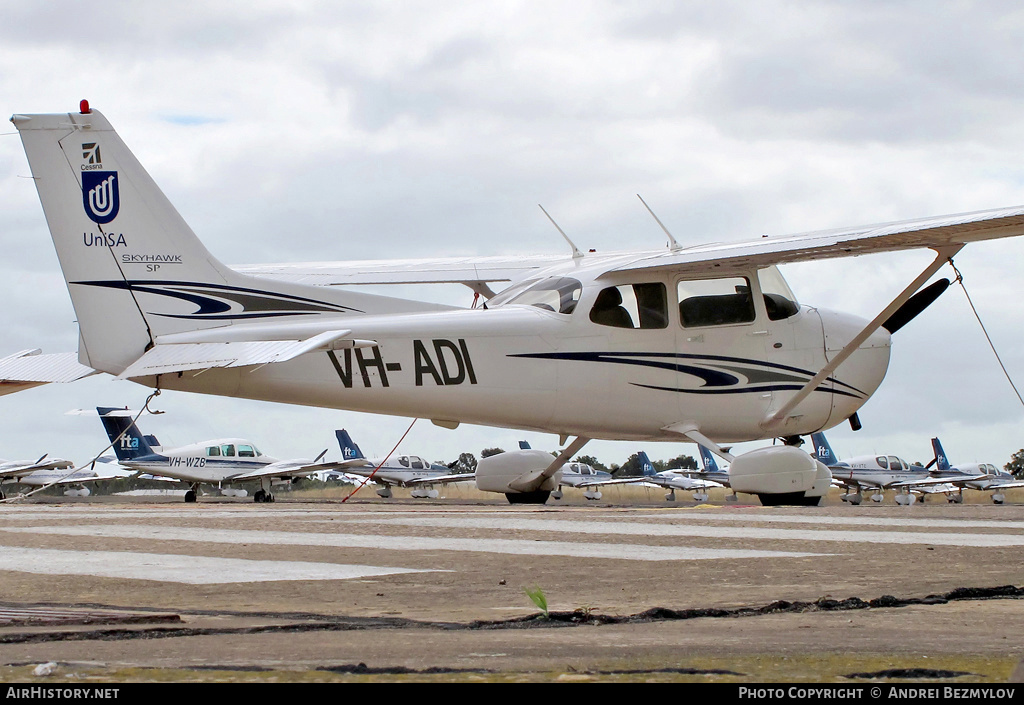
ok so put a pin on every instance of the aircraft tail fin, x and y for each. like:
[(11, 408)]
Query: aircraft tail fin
[(129, 442), (707, 459), (135, 270), (349, 449), (646, 466), (822, 450), (941, 461)]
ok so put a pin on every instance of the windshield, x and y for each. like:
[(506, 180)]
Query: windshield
[(559, 294), (778, 298)]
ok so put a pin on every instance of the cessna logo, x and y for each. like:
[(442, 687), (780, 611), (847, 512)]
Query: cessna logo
[(100, 195), (91, 153)]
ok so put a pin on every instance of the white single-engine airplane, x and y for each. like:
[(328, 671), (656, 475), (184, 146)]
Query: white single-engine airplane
[(877, 472), (410, 471), (694, 343), (222, 462), (671, 480)]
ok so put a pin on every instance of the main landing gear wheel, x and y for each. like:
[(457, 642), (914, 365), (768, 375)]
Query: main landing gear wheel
[(535, 497), (792, 499), (261, 496), (190, 496)]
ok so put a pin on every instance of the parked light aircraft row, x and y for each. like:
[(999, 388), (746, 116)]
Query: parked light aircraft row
[(706, 344), (881, 472)]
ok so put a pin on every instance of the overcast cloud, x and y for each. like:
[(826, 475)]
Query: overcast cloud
[(298, 131)]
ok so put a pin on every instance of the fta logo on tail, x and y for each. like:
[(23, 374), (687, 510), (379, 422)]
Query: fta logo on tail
[(100, 195), (129, 443)]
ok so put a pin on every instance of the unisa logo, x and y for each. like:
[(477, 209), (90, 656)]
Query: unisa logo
[(100, 195)]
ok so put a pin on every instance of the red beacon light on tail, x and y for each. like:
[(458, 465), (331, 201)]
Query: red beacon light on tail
[(83, 107)]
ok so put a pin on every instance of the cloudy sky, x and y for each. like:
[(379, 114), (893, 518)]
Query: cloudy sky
[(302, 131)]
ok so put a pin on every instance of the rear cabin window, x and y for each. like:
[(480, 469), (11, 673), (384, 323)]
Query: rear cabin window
[(213, 452), (228, 451), (715, 302), (631, 306)]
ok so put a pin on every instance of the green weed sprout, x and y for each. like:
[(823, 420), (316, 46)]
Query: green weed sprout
[(538, 598)]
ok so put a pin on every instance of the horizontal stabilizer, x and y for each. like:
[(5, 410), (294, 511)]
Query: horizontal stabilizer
[(180, 357), (29, 368)]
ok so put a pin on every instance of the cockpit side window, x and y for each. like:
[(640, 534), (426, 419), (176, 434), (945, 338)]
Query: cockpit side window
[(715, 302), (558, 294), (631, 306)]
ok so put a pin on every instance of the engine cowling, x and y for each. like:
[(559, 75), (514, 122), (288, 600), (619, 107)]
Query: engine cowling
[(780, 475), (516, 472)]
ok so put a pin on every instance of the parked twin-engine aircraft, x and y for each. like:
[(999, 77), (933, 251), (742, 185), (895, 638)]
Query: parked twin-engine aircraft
[(694, 343), (401, 470), (74, 481), (973, 476), (222, 462), (11, 470), (877, 472)]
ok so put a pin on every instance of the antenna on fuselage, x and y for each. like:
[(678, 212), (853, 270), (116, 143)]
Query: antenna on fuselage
[(576, 254), (673, 245)]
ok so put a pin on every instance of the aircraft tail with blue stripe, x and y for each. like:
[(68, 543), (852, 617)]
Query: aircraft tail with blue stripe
[(349, 449), (646, 466), (941, 461), (822, 450), (128, 441), (707, 459)]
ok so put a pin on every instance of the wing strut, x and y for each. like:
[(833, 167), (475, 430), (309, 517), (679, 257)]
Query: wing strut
[(944, 254), (691, 431), (532, 480)]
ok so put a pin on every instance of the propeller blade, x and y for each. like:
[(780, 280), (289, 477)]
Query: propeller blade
[(930, 463), (320, 457), (914, 305)]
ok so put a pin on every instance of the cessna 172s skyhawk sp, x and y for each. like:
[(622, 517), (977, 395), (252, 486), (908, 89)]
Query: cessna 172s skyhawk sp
[(705, 343)]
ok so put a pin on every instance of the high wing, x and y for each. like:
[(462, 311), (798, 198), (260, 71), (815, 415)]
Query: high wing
[(920, 233), (287, 468), (30, 368), (933, 232), (471, 271)]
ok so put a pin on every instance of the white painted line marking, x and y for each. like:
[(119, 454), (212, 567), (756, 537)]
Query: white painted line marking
[(751, 515), (173, 568), (705, 515), (602, 549), (632, 528)]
